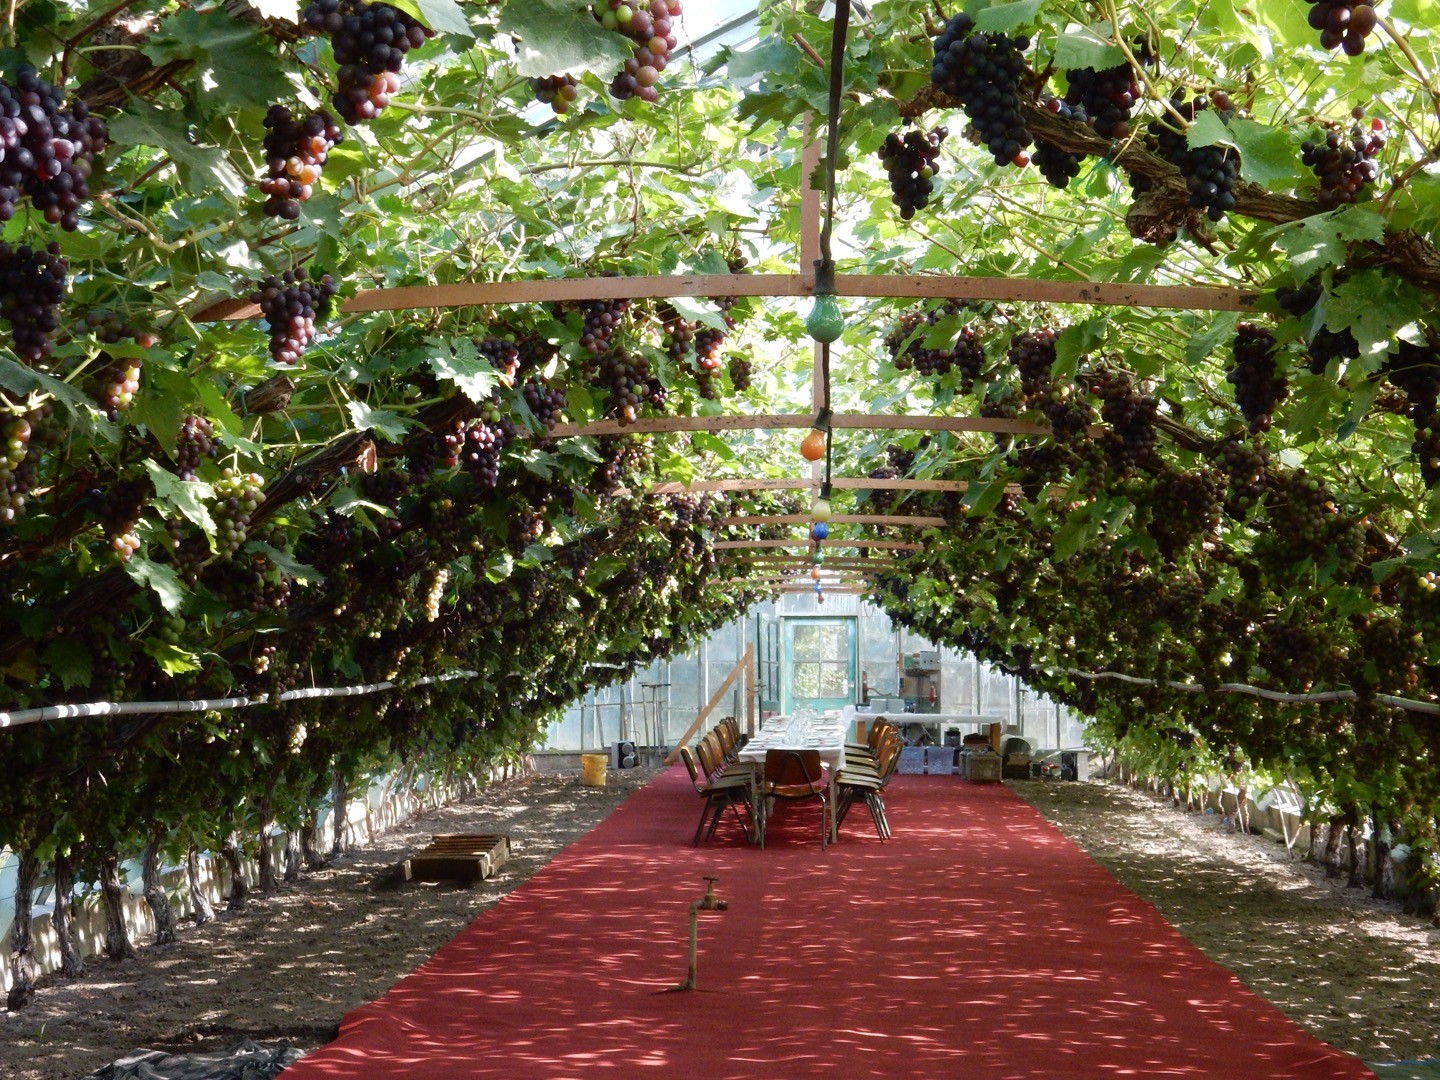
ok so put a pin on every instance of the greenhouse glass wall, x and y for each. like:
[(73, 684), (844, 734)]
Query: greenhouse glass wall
[(822, 655)]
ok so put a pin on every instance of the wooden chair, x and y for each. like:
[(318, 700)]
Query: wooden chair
[(718, 794), (852, 786), (797, 775)]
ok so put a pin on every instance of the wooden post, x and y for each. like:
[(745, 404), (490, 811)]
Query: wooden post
[(751, 689), (710, 705)]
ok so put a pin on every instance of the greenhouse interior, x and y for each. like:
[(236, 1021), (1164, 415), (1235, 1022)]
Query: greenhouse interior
[(719, 538)]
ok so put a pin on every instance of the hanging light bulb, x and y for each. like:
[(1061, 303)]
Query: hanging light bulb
[(819, 531), (820, 508), (815, 573), (813, 446), (826, 321)]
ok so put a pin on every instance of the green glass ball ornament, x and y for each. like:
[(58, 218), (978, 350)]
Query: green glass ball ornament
[(826, 322)]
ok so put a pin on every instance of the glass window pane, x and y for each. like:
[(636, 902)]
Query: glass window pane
[(807, 680), (808, 643), (834, 680)]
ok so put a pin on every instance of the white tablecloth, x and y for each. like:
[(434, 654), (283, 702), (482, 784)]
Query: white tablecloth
[(826, 734)]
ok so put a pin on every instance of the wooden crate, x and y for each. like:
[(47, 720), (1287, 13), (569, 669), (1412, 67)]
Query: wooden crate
[(458, 857)]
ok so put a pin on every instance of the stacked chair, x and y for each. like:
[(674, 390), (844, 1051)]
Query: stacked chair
[(868, 769), (721, 779)]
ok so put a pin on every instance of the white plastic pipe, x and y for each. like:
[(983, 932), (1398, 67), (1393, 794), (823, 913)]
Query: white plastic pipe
[(17, 717), (1260, 692)]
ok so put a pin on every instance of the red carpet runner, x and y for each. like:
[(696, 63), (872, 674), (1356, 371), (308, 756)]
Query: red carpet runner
[(977, 943)]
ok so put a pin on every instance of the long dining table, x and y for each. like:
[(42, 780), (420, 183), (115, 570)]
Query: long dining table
[(825, 733)]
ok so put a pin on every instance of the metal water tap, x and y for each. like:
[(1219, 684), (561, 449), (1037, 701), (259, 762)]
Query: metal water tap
[(708, 902)]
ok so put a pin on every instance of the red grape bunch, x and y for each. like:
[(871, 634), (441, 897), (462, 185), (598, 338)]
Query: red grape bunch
[(1033, 353), (740, 373), (1130, 441), (652, 27), (292, 305), (119, 509), (1346, 165), (195, 443), (983, 71), (912, 163), (1326, 344), (557, 91), (46, 150), (545, 402), (678, 334), (238, 496), (485, 439), (117, 385), (370, 42), (17, 464), (504, 356), (108, 328), (32, 285), (601, 320), (1059, 166), (1259, 386), (1342, 24), (295, 153), (1210, 172), (1106, 97), (627, 378)]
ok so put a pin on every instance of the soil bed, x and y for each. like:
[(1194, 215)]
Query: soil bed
[(1357, 973), (1354, 971)]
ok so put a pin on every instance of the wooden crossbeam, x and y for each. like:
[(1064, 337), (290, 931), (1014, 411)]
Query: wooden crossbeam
[(655, 425), (899, 286), (839, 483), (715, 698), (838, 519), (882, 545)]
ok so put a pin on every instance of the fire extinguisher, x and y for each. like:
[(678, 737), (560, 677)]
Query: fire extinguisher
[(933, 695)]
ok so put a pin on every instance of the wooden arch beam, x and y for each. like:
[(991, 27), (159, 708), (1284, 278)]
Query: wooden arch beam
[(781, 421), (871, 286), (839, 483), (915, 520), (806, 542)]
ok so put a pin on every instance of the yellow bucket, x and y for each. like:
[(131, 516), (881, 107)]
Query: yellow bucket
[(592, 769)]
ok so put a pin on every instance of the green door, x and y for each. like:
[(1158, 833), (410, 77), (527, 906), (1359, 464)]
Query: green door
[(819, 661)]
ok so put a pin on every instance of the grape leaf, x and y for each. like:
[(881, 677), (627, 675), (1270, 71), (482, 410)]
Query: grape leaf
[(981, 499), (172, 659), (1208, 129), (1267, 154), (1002, 17), (442, 16), (555, 37), (186, 496), (460, 363), (386, 424), (286, 564), (1321, 241), (232, 64), (201, 167), (68, 658), (1087, 48), (162, 579)]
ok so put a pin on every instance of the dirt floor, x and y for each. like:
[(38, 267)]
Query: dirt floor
[(1355, 971), (1359, 974)]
